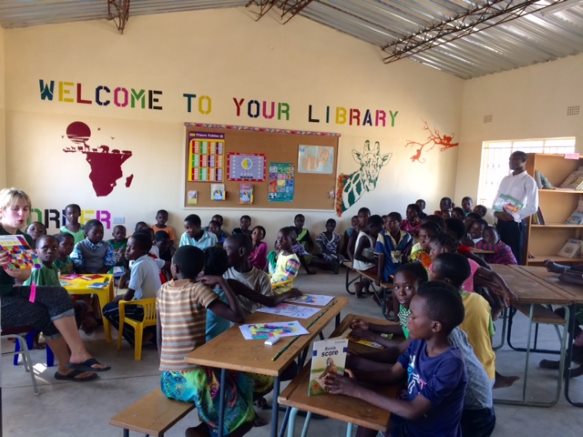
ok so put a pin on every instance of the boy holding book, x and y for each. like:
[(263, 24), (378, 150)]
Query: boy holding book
[(435, 371)]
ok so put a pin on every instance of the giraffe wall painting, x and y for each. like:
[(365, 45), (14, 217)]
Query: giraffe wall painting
[(352, 186)]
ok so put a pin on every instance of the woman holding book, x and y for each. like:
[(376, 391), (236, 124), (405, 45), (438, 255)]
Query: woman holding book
[(46, 309)]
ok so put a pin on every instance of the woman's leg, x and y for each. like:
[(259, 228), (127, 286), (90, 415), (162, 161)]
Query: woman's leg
[(68, 329)]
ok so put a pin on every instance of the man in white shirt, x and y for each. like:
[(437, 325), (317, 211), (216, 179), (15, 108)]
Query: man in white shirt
[(517, 199)]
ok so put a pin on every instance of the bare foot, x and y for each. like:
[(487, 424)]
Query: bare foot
[(504, 381)]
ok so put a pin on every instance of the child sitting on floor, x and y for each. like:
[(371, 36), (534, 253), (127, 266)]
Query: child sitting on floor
[(244, 225), (72, 226), (435, 371), (35, 230), (492, 242), (182, 305), (364, 258), (329, 244), (219, 231), (304, 239), (258, 255), (412, 221), (287, 265), (161, 220), (194, 235), (144, 283)]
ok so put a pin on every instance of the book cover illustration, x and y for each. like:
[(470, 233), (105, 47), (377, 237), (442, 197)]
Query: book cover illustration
[(328, 356), (192, 198), (246, 194), (507, 203), (21, 255), (263, 331), (218, 192), (571, 248)]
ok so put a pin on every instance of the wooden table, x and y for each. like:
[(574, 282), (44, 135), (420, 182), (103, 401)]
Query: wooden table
[(99, 284), (532, 286), (230, 351), (576, 293), (343, 408)]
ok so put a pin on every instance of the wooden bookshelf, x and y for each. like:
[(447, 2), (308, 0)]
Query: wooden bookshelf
[(556, 205)]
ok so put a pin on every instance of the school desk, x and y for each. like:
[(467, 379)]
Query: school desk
[(100, 285), (230, 351), (576, 291), (353, 411), (532, 293)]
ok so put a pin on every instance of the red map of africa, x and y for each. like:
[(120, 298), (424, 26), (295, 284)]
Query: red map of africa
[(106, 165)]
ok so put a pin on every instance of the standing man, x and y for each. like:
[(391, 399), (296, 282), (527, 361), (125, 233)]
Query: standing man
[(517, 199)]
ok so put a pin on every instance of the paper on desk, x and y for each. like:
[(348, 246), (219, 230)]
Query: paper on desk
[(289, 310), (318, 300), (262, 331)]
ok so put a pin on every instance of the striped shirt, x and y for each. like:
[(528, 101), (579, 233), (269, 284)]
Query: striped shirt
[(182, 307)]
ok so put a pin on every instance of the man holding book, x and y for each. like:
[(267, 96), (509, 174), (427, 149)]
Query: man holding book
[(517, 199)]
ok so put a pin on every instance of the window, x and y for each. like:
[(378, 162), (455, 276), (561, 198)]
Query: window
[(494, 163)]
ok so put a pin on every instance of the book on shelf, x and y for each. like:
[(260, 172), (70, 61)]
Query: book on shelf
[(576, 217), (328, 356), (571, 249), (538, 218), (574, 181)]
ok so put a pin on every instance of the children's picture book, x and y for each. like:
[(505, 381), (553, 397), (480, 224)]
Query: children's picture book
[(576, 217), (289, 310), (507, 203), (318, 300), (328, 356), (21, 255), (263, 331), (246, 194), (192, 198), (218, 192), (571, 248)]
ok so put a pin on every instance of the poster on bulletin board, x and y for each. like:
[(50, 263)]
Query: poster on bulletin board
[(205, 156), (246, 167), (281, 182)]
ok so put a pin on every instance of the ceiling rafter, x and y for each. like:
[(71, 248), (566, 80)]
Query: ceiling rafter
[(119, 12), (490, 14), (289, 8)]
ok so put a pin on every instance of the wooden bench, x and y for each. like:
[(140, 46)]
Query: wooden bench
[(152, 415)]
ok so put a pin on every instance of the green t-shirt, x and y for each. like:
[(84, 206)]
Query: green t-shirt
[(45, 276), (65, 267)]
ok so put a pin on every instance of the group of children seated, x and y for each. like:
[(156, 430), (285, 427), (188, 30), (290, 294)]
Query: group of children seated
[(214, 278)]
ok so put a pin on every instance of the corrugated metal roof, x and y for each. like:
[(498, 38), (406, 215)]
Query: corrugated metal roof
[(542, 36)]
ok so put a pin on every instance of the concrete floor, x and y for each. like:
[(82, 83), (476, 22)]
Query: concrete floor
[(84, 409)]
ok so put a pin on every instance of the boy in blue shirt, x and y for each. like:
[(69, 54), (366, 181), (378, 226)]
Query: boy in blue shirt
[(436, 378)]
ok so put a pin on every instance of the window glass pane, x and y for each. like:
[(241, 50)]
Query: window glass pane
[(494, 163)]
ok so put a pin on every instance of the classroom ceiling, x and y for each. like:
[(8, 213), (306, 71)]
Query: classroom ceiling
[(467, 38)]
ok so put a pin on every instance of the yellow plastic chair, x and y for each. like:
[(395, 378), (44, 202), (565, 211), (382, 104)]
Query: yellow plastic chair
[(149, 306)]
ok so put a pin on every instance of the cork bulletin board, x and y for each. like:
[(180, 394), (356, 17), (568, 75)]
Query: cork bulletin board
[(280, 169)]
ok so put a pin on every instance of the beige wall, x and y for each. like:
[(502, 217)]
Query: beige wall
[(530, 102), (222, 54), (2, 112)]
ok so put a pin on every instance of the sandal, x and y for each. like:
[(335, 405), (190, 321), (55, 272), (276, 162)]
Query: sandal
[(76, 375), (88, 366)]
